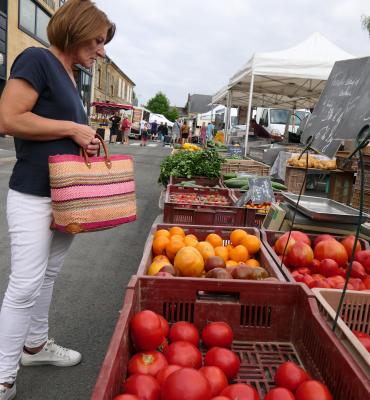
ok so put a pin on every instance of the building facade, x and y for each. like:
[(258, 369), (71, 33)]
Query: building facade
[(111, 84)]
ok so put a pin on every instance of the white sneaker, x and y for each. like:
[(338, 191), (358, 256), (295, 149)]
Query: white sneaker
[(7, 393), (52, 354)]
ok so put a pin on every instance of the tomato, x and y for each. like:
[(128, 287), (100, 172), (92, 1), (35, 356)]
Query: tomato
[(360, 334), (225, 359), (184, 354), (220, 398), (240, 391), (147, 363), (279, 394), (358, 271), (365, 341), (313, 390), (328, 267), (216, 379), (184, 331), (126, 397), (186, 384), (217, 334), (144, 386), (165, 372), (366, 282), (165, 326), (146, 330), (290, 376)]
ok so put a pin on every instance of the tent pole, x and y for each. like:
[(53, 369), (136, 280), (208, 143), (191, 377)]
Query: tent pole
[(228, 113), (248, 115)]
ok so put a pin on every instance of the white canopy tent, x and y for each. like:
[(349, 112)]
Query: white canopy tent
[(291, 78), (159, 118)]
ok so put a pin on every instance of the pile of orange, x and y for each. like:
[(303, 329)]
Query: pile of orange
[(167, 244)]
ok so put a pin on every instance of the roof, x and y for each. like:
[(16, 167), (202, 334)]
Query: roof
[(198, 103), (120, 70)]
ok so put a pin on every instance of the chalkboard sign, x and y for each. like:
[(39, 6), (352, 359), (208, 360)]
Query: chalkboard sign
[(259, 192), (343, 108), (235, 150)]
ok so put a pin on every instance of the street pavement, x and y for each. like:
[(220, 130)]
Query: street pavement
[(89, 292)]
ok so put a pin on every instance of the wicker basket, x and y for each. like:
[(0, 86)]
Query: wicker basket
[(294, 178), (249, 166)]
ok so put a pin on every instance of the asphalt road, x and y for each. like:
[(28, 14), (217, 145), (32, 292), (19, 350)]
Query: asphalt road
[(90, 289)]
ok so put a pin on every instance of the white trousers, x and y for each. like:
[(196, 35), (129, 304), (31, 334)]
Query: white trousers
[(37, 256)]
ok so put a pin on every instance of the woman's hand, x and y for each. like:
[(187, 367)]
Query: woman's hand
[(93, 147), (83, 135)]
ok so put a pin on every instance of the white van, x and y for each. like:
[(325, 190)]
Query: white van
[(274, 120)]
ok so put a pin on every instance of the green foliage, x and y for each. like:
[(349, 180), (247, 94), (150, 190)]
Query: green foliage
[(158, 104), (365, 21), (172, 114), (190, 163)]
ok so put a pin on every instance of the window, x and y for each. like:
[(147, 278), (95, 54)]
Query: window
[(123, 89), (33, 20), (279, 116), (119, 94)]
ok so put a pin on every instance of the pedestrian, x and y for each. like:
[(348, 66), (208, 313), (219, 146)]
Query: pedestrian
[(154, 130), (176, 132), (125, 128), (160, 132), (142, 125), (114, 130), (203, 135), (184, 132), (210, 130), (41, 107), (145, 134)]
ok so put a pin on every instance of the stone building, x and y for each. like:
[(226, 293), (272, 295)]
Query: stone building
[(111, 84)]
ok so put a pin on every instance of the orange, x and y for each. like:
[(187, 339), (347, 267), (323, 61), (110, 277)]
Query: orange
[(252, 244), (173, 247), (189, 262), (222, 251), (229, 248), (190, 240), (161, 257), (176, 230), (192, 236), (239, 253), (205, 249), (159, 244), (214, 239), (236, 236), (177, 237), (156, 266), (252, 263), (231, 263), (162, 232)]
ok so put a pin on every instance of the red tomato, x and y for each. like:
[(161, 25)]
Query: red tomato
[(217, 334), (216, 379), (348, 242), (366, 282), (165, 326), (313, 390), (279, 394), (240, 391), (304, 270), (186, 384), (322, 237), (147, 363), (365, 341), (184, 354), (165, 372), (331, 249), (290, 376), (360, 334), (358, 271), (184, 331), (146, 330), (126, 397), (220, 398), (144, 386), (225, 359), (328, 267)]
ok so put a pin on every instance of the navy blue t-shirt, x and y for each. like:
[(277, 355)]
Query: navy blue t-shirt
[(58, 99)]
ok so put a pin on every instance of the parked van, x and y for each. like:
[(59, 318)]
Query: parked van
[(274, 120)]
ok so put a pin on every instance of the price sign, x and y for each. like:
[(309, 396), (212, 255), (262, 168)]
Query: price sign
[(235, 150)]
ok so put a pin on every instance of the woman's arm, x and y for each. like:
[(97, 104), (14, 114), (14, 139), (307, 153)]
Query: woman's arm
[(16, 118)]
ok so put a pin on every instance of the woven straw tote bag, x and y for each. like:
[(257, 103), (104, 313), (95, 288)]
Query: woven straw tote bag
[(91, 193)]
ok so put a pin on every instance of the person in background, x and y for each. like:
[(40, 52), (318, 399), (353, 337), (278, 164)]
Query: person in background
[(125, 128), (176, 132), (144, 134), (184, 132), (114, 130), (203, 135), (142, 125), (42, 109), (160, 132), (166, 138), (210, 129), (154, 130)]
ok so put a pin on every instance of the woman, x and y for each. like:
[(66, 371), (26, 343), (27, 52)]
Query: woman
[(203, 135), (42, 109), (125, 128), (184, 133), (144, 134)]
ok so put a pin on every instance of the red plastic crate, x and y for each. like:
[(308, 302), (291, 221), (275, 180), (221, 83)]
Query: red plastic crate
[(269, 238), (201, 233), (192, 214), (199, 180), (272, 323)]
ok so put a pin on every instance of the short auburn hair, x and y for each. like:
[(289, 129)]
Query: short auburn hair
[(76, 22)]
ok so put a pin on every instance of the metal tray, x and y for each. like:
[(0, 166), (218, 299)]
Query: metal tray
[(322, 209)]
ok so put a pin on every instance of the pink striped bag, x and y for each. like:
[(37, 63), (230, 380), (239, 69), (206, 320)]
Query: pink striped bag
[(91, 193)]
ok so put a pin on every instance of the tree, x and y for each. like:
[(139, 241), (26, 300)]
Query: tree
[(365, 20), (172, 114), (159, 104)]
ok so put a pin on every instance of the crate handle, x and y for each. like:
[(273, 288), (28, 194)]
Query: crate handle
[(219, 297)]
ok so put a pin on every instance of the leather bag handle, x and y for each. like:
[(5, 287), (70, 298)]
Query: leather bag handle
[(108, 162)]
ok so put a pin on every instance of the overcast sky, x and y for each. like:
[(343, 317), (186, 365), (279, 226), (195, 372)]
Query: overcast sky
[(195, 46)]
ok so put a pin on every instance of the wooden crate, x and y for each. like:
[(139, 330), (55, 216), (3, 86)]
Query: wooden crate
[(249, 166), (294, 179)]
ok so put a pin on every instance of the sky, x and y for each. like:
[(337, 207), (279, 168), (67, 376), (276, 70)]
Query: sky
[(195, 46)]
